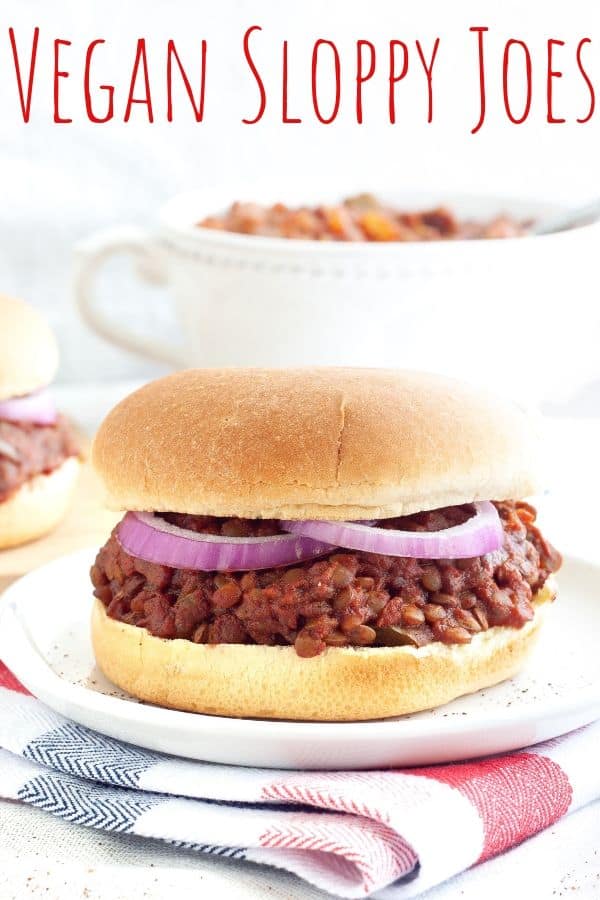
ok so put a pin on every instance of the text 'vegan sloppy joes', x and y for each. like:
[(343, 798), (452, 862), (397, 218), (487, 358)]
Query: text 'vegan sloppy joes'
[(317, 543), (38, 450)]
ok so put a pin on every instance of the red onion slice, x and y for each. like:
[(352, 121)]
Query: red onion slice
[(149, 537), (9, 452), (478, 535), (37, 408)]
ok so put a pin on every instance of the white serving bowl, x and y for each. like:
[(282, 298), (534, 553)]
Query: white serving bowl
[(516, 314)]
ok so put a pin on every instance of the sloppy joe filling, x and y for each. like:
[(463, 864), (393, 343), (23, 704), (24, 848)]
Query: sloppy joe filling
[(27, 450), (360, 218), (345, 598)]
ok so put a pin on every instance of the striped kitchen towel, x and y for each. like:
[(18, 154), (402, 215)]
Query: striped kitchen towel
[(385, 833)]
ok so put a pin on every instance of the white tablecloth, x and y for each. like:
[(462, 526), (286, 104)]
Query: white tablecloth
[(41, 856)]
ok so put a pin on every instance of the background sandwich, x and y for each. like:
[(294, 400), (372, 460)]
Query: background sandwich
[(39, 454)]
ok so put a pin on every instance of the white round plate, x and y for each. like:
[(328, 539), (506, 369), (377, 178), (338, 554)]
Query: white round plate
[(44, 639)]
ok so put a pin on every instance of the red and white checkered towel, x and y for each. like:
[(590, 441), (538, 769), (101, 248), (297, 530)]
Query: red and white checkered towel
[(390, 833)]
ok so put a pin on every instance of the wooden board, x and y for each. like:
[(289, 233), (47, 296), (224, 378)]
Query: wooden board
[(88, 524)]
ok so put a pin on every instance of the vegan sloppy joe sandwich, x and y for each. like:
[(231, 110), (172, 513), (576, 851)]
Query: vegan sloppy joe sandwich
[(316, 544), (39, 452)]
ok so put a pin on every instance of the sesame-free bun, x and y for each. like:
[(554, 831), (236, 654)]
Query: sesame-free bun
[(323, 443), (28, 350), (341, 684), (38, 505)]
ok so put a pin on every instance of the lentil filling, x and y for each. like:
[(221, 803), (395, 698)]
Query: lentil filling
[(345, 598), (27, 450), (360, 218)]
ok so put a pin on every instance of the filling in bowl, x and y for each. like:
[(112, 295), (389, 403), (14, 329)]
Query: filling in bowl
[(341, 598), (361, 218)]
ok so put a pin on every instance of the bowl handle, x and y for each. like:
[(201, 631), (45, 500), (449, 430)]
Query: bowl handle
[(90, 256)]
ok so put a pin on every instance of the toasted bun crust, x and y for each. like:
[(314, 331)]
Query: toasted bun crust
[(311, 443), (341, 684), (28, 350), (38, 506)]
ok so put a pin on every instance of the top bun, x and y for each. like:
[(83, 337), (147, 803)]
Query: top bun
[(311, 443), (28, 350)]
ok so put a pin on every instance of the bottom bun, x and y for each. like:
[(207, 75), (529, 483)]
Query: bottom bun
[(341, 684), (38, 506)]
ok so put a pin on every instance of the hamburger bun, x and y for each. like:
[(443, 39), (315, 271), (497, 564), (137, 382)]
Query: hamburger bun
[(28, 350), (341, 684), (38, 505), (311, 443)]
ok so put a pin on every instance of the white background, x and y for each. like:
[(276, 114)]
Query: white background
[(59, 183)]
